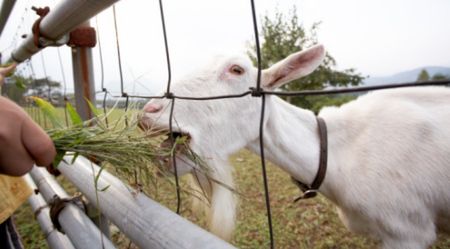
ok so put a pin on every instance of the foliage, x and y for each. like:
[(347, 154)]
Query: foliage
[(20, 86), (120, 144), (16, 90), (423, 76), (283, 35), (46, 88), (49, 111), (439, 76)]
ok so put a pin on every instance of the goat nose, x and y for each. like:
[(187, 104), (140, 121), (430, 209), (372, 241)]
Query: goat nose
[(152, 107)]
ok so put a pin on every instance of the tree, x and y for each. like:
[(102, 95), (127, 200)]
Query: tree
[(15, 87), (423, 76), (284, 35), (43, 87), (46, 88), (440, 76), (19, 86)]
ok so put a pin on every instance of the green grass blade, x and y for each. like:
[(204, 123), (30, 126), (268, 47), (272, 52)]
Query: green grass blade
[(58, 158), (75, 156), (94, 109), (104, 189), (97, 177), (49, 111), (20, 83), (73, 114)]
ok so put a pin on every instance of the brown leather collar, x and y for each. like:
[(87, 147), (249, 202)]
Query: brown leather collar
[(310, 191)]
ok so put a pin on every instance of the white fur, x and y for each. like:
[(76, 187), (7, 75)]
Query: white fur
[(389, 151)]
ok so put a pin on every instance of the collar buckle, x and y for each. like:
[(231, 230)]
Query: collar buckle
[(310, 191)]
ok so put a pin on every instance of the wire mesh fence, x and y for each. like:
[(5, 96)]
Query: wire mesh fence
[(256, 92)]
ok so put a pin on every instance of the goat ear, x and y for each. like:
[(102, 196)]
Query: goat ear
[(293, 67)]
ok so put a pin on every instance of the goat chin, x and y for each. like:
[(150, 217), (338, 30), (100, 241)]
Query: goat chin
[(221, 212)]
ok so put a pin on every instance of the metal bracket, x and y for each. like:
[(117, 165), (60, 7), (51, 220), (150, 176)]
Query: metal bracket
[(57, 204), (82, 37), (44, 42), (41, 41)]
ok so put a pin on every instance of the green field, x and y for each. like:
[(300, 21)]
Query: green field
[(306, 224)]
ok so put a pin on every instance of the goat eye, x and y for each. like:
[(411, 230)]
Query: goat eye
[(237, 70)]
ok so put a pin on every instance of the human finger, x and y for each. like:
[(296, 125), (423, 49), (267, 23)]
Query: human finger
[(4, 71), (37, 143), (8, 69)]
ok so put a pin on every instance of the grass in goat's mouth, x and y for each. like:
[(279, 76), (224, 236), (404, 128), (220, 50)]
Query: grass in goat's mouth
[(118, 144), (175, 135)]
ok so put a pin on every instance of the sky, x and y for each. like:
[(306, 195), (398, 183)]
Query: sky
[(377, 38)]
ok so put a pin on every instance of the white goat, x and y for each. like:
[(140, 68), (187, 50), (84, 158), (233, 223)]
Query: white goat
[(388, 151)]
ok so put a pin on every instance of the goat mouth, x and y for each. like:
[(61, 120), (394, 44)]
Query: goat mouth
[(176, 134), (174, 140), (178, 143), (154, 130)]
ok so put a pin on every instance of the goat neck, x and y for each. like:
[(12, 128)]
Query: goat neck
[(292, 141)]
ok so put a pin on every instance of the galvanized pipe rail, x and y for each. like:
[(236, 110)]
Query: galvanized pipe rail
[(82, 232), (144, 221), (55, 239), (56, 25)]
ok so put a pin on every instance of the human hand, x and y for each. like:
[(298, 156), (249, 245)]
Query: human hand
[(22, 141), (4, 71)]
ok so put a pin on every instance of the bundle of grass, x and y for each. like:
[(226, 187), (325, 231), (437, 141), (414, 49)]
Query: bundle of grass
[(118, 144)]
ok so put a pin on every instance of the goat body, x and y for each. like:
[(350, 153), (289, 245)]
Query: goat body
[(389, 161), (388, 151)]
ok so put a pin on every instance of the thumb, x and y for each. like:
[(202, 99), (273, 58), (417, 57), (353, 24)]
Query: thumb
[(6, 70)]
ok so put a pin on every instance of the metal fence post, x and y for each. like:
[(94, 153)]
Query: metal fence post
[(84, 85), (5, 11), (83, 76)]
